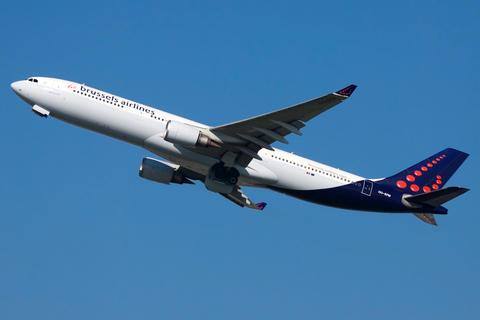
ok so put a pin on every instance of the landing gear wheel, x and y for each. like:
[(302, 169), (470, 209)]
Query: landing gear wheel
[(228, 175), (232, 175)]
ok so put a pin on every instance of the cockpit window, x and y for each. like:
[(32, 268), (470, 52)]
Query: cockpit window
[(32, 80)]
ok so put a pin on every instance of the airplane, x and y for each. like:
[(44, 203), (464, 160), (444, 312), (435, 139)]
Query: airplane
[(227, 157)]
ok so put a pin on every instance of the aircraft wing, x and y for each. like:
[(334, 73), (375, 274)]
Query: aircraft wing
[(260, 132), (236, 196)]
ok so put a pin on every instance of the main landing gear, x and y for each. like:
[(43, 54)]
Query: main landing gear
[(222, 176), (225, 174)]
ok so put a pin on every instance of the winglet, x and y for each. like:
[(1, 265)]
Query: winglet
[(347, 91), (261, 205)]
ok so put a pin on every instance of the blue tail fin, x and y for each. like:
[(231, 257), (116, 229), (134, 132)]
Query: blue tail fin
[(428, 175)]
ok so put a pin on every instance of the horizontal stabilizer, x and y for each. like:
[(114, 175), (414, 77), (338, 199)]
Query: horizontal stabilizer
[(438, 197), (427, 217)]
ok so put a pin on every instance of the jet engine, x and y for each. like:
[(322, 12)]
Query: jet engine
[(155, 170), (186, 135)]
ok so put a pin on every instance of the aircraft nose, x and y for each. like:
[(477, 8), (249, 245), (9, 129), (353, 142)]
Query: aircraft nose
[(16, 87)]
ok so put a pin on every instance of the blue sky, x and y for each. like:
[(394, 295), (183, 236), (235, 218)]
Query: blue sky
[(83, 237)]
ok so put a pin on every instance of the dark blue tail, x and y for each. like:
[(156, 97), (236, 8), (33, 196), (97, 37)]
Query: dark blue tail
[(428, 175)]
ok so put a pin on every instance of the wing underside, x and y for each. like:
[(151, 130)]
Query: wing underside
[(248, 136)]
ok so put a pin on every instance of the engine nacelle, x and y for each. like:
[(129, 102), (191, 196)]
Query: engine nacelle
[(155, 170), (186, 135)]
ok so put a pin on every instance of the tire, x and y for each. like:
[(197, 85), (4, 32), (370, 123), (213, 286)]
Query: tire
[(232, 176)]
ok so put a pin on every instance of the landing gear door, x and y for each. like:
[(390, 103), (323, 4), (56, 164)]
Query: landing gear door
[(367, 188)]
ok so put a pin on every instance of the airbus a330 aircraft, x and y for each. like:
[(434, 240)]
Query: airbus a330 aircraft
[(240, 154)]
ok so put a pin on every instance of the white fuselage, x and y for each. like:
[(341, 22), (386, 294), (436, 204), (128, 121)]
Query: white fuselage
[(144, 126)]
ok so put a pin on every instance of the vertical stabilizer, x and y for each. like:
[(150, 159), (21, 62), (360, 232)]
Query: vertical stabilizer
[(428, 175)]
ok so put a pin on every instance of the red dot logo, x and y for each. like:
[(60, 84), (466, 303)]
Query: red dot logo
[(418, 173), (401, 184), (414, 188), (429, 165), (424, 168), (438, 159), (439, 181), (434, 162), (439, 177), (410, 178), (434, 186), (426, 189)]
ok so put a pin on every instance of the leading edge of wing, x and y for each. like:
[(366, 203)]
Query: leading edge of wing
[(253, 134), (304, 111)]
